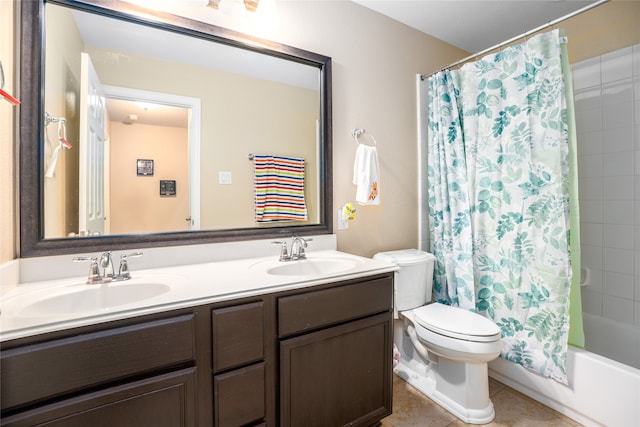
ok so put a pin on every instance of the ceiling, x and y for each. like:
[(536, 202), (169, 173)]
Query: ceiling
[(474, 25), (132, 112)]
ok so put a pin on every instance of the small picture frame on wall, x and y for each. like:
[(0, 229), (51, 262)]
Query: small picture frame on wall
[(167, 187), (144, 167)]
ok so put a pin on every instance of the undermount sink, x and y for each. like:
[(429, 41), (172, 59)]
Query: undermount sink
[(90, 298), (313, 267)]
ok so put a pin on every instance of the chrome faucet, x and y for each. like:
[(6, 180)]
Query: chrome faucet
[(108, 270), (106, 262), (298, 245)]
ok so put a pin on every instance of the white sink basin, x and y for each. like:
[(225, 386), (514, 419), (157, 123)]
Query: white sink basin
[(92, 298), (313, 266)]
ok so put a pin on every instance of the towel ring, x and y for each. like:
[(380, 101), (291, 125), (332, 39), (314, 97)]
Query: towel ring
[(356, 134)]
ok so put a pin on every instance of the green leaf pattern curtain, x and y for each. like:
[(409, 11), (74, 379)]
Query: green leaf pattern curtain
[(499, 200)]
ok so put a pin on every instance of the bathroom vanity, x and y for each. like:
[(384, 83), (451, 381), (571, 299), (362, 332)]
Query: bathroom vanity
[(298, 352), (238, 341)]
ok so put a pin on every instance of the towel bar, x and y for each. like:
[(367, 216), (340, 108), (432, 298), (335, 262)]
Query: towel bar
[(356, 134)]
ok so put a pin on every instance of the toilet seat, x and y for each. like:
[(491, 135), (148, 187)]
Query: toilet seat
[(456, 323)]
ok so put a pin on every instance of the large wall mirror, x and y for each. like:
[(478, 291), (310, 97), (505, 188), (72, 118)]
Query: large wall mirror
[(141, 128)]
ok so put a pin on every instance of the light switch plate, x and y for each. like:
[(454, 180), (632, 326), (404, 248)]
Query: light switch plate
[(224, 177), (343, 222)]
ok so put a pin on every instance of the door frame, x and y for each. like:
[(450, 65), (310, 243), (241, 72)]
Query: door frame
[(91, 148), (193, 104)]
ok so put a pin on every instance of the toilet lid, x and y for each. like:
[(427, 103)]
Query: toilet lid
[(456, 323)]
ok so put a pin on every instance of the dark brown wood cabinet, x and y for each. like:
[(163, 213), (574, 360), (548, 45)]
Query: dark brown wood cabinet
[(319, 356), (339, 374), (239, 393), (240, 397), (164, 400), (103, 375)]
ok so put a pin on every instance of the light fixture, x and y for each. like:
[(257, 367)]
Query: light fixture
[(234, 7), (251, 5), (146, 106)]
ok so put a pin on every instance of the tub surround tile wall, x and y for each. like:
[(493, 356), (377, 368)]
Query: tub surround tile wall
[(636, 181), (607, 97)]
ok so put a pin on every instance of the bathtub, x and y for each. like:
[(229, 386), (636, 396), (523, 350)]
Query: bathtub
[(601, 391)]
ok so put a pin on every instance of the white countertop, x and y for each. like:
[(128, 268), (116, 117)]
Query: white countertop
[(188, 285)]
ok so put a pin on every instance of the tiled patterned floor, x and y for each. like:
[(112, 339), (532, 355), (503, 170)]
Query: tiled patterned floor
[(411, 408)]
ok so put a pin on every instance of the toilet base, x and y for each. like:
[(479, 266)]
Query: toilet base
[(425, 379)]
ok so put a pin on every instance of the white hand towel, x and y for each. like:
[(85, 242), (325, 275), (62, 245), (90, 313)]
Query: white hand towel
[(366, 175)]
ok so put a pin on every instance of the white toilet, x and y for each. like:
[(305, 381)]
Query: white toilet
[(444, 350)]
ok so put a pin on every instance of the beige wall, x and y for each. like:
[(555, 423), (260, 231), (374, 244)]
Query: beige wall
[(63, 84), (375, 61), (606, 28), (135, 203), (8, 169), (269, 128)]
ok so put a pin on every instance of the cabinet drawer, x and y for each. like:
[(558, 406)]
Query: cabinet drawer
[(238, 335), (239, 396), (48, 369), (311, 310), (165, 400)]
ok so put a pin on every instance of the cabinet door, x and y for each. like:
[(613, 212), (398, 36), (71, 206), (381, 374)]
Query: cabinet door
[(337, 376), (163, 401)]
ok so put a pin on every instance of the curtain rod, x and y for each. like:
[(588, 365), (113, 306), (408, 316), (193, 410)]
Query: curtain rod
[(523, 35)]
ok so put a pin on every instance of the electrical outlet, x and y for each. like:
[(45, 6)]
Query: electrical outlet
[(224, 177), (343, 222)]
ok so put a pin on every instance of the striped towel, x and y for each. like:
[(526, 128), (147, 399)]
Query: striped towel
[(279, 188)]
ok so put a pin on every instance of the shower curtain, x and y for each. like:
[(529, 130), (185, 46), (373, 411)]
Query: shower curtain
[(499, 197)]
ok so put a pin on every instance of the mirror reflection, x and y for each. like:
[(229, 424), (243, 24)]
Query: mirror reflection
[(161, 127)]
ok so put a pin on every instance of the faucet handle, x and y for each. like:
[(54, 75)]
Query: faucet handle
[(94, 269), (123, 272), (284, 255)]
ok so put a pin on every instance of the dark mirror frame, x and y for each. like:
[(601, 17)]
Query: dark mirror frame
[(31, 131)]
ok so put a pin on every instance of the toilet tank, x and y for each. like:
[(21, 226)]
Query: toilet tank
[(414, 280)]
